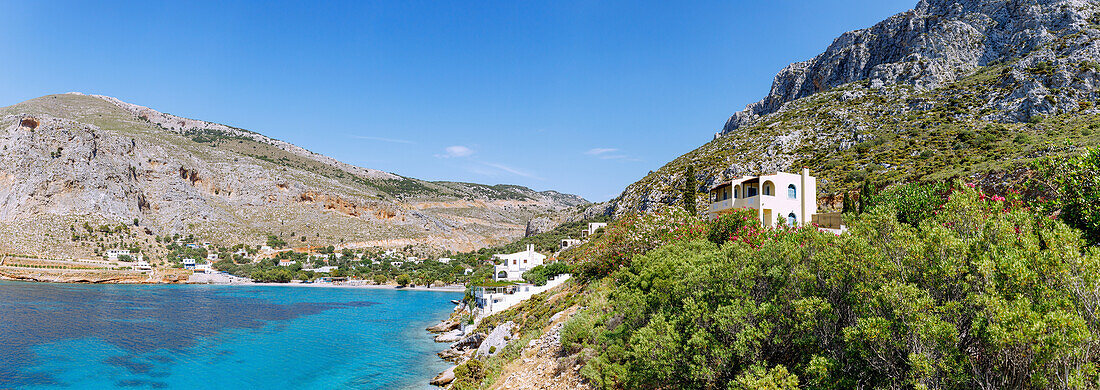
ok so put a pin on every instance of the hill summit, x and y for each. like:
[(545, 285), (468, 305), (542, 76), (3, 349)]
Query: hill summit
[(77, 160), (972, 88)]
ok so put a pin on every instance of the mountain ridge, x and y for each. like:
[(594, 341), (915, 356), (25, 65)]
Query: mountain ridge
[(97, 159), (971, 89)]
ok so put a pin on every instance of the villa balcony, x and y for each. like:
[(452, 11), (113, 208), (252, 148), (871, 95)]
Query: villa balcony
[(735, 203)]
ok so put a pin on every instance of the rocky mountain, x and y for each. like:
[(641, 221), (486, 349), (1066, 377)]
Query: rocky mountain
[(71, 159), (972, 88)]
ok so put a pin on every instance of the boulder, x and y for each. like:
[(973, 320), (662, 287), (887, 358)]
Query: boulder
[(444, 377), (496, 340), (470, 342), (445, 326), (449, 337)]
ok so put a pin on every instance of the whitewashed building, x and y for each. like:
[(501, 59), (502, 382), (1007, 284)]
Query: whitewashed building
[(778, 197), (515, 264), (569, 242), (113, 254), (592, 228)]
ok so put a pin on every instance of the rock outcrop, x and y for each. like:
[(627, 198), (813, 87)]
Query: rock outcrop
[(939, 41), (496, 340), (948, 89)]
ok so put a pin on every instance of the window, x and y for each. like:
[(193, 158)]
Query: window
[(792, 219), (513, 262), (792, 192), (750, 192), (737, 192)]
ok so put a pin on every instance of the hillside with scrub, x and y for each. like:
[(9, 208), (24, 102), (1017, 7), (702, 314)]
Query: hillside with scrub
[(951, 89), (72, 160), (934, 286)]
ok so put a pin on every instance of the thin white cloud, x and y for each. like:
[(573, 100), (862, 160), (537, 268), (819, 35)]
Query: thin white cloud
[(514, 171), (609, 154), (456, 151), (600, 151), (390, 140)]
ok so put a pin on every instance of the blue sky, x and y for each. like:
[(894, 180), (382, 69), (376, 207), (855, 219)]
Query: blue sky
[(581, 97)]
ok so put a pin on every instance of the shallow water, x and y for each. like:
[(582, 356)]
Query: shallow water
[(186, 337)]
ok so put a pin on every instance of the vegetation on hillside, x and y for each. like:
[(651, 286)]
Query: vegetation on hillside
[(935, 285), (853, 134)]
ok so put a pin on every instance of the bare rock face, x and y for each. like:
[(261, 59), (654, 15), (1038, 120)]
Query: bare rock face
[(941, 40), (496, 340), (540, 225), (70, 159)]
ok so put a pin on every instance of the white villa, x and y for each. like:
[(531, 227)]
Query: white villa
[(497, 299), (592, 228), (515, 264), (780, 196), (113, 254), (188, 263), (286, 263)]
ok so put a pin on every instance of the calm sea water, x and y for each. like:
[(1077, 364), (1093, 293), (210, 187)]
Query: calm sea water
[(227, 337)]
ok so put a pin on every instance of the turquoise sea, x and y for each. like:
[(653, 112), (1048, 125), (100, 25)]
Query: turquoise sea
[(217, 337)]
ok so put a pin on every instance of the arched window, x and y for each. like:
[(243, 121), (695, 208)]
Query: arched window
[(792, 192), (736, 192), (769, 188), (502, 275), (792, 219)]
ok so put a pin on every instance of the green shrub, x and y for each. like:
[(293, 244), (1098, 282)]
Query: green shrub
[(726, 226), (1075, 184), (983, 294), (540, 274), (468, 375), (912, 202)]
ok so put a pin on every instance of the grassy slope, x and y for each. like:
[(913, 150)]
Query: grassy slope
[(896, 134)]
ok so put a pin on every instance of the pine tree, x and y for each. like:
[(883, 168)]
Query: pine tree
[(847, 206), (689, 190)]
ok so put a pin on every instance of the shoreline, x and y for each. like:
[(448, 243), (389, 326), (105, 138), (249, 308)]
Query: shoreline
[(448, 288)]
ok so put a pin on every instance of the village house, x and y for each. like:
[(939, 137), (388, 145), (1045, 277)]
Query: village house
[(592, 228), (213, 257), (444, 260), (778, 197), (142, 265), (189, 264), (113, 254), (515, 264), (286, 263), (569, 242)]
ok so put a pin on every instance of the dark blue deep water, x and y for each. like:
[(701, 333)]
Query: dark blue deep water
[(228, 337)]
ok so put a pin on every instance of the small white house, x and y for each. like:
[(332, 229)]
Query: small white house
[(413, 259), (113, 254), (445, 260), (781, 196), (326, 269), (212, 257), (397, 263), (142, 265), (204, 269), (188, 263), (569, 242), (592, 228), (286, 263), (515, 264)]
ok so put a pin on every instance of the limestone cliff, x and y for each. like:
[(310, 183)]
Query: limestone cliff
[(72, 158)]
